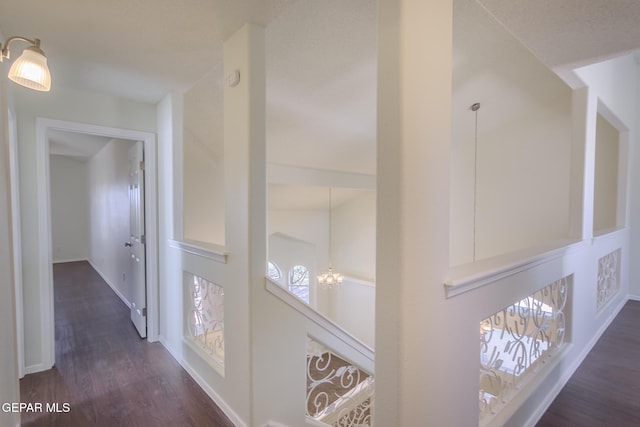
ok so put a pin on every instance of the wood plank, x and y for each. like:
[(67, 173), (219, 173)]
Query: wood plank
[(104, 371)]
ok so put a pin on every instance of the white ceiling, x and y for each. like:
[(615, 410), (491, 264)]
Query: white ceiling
[(137, 49), (78, 146), (321, 58), (321, 86), (321, 89)]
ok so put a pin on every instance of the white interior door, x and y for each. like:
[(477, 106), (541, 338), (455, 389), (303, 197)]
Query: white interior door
[(136, 241)]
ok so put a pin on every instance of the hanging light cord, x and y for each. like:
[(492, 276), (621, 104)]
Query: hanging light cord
[(475, 107), (330, 266)]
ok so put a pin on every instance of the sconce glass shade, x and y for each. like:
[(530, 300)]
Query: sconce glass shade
[(31, 70)]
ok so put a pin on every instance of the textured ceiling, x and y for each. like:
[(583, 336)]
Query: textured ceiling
[(571, 33)]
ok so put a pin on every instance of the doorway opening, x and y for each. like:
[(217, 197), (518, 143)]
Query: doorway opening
[(44, 128)]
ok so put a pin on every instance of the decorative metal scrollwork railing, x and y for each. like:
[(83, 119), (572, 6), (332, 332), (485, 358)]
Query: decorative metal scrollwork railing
[(205, 323), (516, 340), (339, 393), (608, 277)]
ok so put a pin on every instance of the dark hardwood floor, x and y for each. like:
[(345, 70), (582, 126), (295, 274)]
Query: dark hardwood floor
[(605, 390), (105, 375)]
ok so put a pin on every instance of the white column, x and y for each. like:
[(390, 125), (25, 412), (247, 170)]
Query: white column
[(245, 211), (276, 336), (426, 348)]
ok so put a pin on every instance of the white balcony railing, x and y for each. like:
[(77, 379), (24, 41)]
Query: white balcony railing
[(516, 340), (608, 277), (205, 319)]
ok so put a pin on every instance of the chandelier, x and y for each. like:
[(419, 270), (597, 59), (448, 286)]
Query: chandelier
[(330, 279)]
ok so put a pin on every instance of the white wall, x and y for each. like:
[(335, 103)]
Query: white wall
[(69, 209), (614, 84), (307, 225), (287, 252), (522, 185), (310, 226), (203, 195), (353, 237), (517, 195), (605, 198), (61, 104), (353, 242), (9, 386), (353, 307), (203, 161), (523, 181), (109, 219), (353, 234)]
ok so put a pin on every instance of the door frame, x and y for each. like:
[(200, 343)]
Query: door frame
[(17, 236), (45, 267)]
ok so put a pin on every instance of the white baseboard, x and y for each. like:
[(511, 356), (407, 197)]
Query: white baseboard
[(634, 297), (228, 411), (111, 285), (274, 424), (62, 261), (32, 369)]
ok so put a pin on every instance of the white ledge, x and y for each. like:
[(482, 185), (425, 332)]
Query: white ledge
[(320, 320), (287, 174), (361, 282), (609, 234), (206, 250), (467, 277)]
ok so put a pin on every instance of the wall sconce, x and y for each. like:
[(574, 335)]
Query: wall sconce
[(30, 69)]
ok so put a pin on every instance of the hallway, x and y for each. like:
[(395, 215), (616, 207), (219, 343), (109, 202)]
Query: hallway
[(106, 374)]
